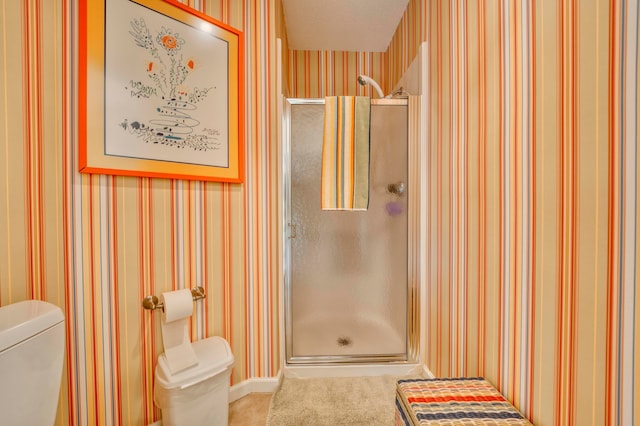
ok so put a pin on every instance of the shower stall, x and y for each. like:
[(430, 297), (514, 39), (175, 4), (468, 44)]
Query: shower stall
[(347, 286)]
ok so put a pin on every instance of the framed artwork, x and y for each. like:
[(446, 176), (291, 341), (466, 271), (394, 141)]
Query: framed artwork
[(160, 92)]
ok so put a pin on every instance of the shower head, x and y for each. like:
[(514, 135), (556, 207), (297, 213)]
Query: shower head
[(364, 80)]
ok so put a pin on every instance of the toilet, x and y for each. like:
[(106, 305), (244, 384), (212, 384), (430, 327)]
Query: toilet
[(198, 395), (31, 356)]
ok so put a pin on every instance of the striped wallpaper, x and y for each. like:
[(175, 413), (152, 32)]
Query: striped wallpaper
[(316, 74), (95, 245), (533, 188), (533, 185)]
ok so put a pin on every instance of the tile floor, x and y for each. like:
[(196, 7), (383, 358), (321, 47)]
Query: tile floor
[(251, 410)]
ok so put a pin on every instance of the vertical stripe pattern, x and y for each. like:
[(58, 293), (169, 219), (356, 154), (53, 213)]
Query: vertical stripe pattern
[(532, 248), (95, 245), (345, 153), (532, 191), (315, 74)]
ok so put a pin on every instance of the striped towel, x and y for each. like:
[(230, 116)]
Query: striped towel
[(345, 153)]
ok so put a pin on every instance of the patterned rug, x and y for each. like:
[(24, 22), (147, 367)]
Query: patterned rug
[(457, 400), (353, 401)]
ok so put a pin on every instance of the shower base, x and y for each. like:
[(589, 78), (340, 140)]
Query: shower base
[(319, 349), (345, 339)]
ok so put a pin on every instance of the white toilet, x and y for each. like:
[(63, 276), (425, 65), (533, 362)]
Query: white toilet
[(31, 357)]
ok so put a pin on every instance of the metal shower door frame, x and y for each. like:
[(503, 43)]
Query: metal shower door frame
[(412, 323)]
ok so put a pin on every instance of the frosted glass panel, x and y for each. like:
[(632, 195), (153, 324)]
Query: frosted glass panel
[(348, 270)]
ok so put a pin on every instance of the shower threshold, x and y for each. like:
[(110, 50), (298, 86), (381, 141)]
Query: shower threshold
[(354, 370)]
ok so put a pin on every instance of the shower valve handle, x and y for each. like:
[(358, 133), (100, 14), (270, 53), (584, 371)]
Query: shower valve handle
[(396, 188)]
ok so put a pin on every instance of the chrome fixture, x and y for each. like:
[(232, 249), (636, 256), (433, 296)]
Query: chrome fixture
[(364, 80), (398, 93), (396, 188), (152, 302)]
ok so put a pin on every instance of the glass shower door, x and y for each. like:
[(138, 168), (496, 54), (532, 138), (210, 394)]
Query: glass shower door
[(346, 272)]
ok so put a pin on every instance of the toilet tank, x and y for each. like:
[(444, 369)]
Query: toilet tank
[(31, 357)]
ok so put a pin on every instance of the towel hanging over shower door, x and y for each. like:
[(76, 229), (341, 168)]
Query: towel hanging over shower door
[(345, 153)]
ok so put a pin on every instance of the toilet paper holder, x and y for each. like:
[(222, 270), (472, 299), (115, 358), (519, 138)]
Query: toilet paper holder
[(152, 302)]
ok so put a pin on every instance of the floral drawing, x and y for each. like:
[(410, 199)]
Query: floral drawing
[(167, 70)]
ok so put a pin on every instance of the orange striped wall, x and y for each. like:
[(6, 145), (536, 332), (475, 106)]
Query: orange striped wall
[(533, 182), (95, 245), (533, 188), (316, 74)]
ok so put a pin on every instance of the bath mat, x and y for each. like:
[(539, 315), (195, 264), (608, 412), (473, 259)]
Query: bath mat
[(352, 401)]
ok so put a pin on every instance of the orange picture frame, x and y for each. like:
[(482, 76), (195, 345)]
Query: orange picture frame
[(160, 92)]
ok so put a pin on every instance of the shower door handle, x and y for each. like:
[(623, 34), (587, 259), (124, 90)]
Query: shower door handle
[(294, 231)]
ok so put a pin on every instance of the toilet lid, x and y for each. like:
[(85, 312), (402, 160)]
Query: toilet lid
[(214, 356), (23, 320)]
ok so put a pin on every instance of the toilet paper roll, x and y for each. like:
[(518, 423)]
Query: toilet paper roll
[(178, 352), (177, 304)]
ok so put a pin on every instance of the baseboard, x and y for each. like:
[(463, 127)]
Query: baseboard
[(427, 373), (271, 384), (255, 385)]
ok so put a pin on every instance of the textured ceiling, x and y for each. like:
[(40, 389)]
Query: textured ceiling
[(349, 25)]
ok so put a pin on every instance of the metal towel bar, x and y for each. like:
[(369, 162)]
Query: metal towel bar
[(151, 302)]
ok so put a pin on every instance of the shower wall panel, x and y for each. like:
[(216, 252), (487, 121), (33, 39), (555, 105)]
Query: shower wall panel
[(347, 270)]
